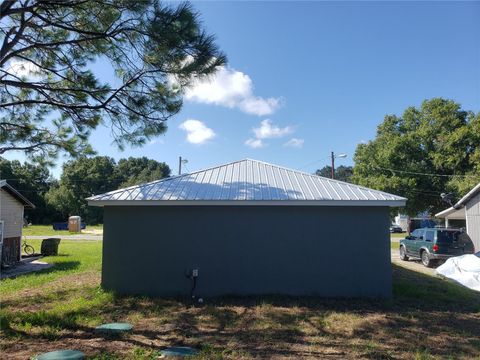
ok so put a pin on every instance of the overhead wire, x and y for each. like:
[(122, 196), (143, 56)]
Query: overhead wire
[(423, 174), (186, 167), (313, 162)]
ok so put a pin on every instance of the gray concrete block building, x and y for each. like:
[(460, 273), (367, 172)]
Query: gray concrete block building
[(247, 228)]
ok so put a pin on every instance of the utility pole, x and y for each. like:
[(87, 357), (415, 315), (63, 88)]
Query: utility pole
[(333, 165), (180, 162), (332, 154)]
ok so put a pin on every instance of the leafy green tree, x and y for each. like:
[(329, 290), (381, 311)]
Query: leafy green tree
[(87, 176), (33, 181), (427, 151), (80, 179), (133, 171), (342, 172), (51, 98)]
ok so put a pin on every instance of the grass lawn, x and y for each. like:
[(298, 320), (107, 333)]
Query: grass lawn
[(47, 230), (394, 243), (395, 240), (427, 318)]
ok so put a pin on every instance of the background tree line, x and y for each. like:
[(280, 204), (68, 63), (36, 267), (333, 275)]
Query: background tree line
[(342, 172), (55, 200)]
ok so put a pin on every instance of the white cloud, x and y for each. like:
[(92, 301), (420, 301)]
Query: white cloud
[(254, 143), (156, 141), (22, 68), (232, 89), (259, 106), (295, 143), (268, 130), (197, 131)]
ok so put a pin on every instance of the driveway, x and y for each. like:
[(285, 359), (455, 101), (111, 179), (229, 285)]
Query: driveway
[(25, 266), (414, 265)]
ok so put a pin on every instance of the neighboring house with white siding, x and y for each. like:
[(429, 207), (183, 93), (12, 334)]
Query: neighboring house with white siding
[(12, 205), (468, 209)]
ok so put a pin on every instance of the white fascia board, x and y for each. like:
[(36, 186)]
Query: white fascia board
[(467, 197), (445, 213), (452, 213), (389, 203)]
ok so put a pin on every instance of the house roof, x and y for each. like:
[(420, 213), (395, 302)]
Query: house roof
[(452, 213), (11, 190), (456, 211), (472, 193), (247, 182)]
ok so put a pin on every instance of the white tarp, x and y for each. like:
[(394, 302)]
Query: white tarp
[(464, 269)]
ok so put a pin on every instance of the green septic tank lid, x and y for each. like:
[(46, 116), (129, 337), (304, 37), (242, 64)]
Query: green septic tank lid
[(61, 355), (114, 328), (178, 351)]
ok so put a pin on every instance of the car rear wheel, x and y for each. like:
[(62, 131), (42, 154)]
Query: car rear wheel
[(403, 253), (426, 259)]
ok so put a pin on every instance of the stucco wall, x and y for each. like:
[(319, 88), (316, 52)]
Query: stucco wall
[(472, 212), (11, 212), (327, 251)]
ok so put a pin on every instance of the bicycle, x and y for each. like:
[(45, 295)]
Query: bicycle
[(26, 248)]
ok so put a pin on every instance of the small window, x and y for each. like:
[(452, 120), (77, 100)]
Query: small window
[(447, 237), (417, 234), (430, 235)]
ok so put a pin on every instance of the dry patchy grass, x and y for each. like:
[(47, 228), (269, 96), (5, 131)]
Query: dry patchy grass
[(427, 318)]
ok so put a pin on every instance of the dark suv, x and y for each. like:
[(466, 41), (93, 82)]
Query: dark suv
[(431, 245)]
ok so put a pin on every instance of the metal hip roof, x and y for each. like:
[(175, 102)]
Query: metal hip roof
[(247, 181)]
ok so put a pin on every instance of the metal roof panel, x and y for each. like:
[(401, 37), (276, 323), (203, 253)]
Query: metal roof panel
[(247, 180)]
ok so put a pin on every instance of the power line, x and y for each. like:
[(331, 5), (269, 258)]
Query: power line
[(313, 162), (423, 174), (426, 193)]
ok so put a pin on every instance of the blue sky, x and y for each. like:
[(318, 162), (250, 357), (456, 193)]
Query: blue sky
[(324, 74)]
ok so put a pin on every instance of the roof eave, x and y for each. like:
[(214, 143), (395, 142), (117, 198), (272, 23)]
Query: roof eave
[(11, 190), (445, 212), (460, 203), (451, 213), (384, 203)]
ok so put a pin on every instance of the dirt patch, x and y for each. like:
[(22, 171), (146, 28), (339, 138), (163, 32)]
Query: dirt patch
[(80, 341), (258, 331)]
